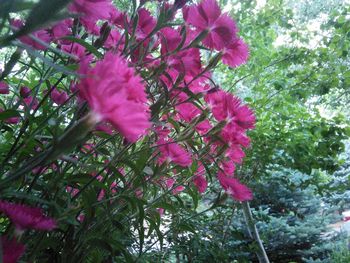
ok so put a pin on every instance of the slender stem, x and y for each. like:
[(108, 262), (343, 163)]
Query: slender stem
[(253, 233)]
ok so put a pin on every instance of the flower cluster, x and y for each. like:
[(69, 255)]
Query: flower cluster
[(144, 84), (23, 217), (115, 94)]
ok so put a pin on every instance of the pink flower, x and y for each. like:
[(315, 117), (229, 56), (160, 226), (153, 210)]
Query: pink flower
[(138, 193), (226, 107), (104, 127), (90, 26), (169, 183), (207, 16), (187, 62), (178, 189), (234, 188), (43, 35), (160, 211), (235, 54), (11, 120), (24, 217), (117, 18), (233, 134), (24, 92), (4, 88), (11, 250), (203, 127), (228, 167), (173, 152), (201, 183), (81, 218), (75, 49), (188, 111), (115, 94), (146, 24), (113, 39), (59, 97), (170, 39), (40, 34), (92, 9), (73, 191), (31, 102), (235, 153), (199, 180), (39, 170), (62, 29)]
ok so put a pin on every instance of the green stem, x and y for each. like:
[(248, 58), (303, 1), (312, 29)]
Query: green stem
[(253, 233), (66, 143)]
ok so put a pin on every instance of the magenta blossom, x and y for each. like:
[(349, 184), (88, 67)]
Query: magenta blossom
[(160, 211), (115, 94), (24, 92), (235, 54), (178, 189), (113, 39), (227, 107), (117, 18), (62, 29), (173, 152), (92, 9), (59, 97), (11, 250), (43, 35), (234, 188), (25, 217), (75, 49), (199, 179), (11, 120), (146, 24), (207, 16), (170, 183), (4, 88), (31, 102)]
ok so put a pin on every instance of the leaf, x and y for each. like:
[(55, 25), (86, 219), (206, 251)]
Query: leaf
[(166, 206), (47, 61), (8, 114), (83, 43), (186, 228), (41, 14), (9, 6)]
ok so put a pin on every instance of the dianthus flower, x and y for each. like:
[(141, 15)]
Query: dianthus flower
[(226, 107), (173, 152), (11, 250), (92, 9), (43, 35), (25, 217), (11, 120), (25, 92), (116, 95), (207, 16), (146, 24), (62, 29), (234, 188), (4, 88), (59, 97), (199, 179), (235, 54)]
